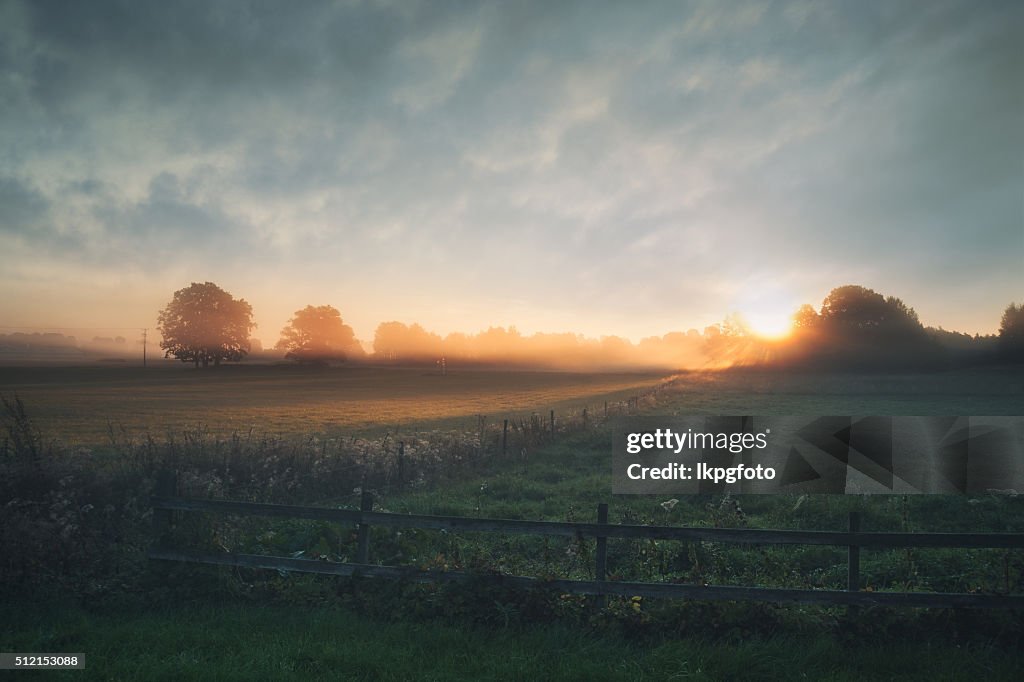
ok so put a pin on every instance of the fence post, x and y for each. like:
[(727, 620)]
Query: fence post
[(606, 409), (166, 486), (363, 538), (552, 424), (504, 439), (853, 568), (584, 417), (601, 556)]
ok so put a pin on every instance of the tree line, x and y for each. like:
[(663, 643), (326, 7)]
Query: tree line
[(855, 327), (859, 328)]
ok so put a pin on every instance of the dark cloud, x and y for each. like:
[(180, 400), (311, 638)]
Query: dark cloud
[(565, 141), (22, 208)]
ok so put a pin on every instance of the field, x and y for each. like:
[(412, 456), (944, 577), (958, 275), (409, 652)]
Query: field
[(978, 391), (249, 642), (78, 404), (188, 621)]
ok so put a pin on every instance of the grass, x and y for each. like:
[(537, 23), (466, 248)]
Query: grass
[(566, 481), (251, 642), (307, 635), (78, 404), (975, 391)]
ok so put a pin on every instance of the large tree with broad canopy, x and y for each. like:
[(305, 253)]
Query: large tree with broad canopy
[(204, 324)]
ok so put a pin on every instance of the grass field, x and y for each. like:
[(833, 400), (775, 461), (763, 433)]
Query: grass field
[(79, 404), (975, 391), (248, 642), (76, 404), (265, 626)]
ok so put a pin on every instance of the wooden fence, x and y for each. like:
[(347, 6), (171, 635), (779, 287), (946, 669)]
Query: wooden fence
[(165, 503)]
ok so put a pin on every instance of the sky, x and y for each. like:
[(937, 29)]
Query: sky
[(595, 167)]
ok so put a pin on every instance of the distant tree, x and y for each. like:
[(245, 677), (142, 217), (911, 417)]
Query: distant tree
[(806, 317), (316, 334), (394, 340), (853, 309), (389, 339), (734, 326), (615, 349), (901, 313), (457, 345), (498, 342), (966, 346), (1011, 333), (204, 324)]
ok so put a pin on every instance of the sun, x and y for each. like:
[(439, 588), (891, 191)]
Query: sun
[(769, 324), (766, 309)]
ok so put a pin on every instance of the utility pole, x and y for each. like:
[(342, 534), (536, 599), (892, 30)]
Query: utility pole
[(145, 332)]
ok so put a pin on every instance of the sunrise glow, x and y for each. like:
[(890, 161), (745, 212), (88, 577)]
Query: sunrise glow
[(769, 324)]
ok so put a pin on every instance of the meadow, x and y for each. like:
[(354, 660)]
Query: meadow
[(81, 405), (164, 621)]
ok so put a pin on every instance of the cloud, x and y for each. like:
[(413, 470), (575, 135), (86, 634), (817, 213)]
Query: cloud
[(653, 160), (22, 208)]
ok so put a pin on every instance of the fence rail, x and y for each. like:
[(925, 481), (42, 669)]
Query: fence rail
[(165, 503), (514, 526)]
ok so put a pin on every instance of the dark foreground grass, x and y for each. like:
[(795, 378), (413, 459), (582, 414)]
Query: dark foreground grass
[(249, 642)]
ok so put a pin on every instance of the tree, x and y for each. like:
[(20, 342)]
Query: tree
[(1011, 333), (204, 324), (317, 334), (389, 339), (854, 309), (805, 318), (394, 341)]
